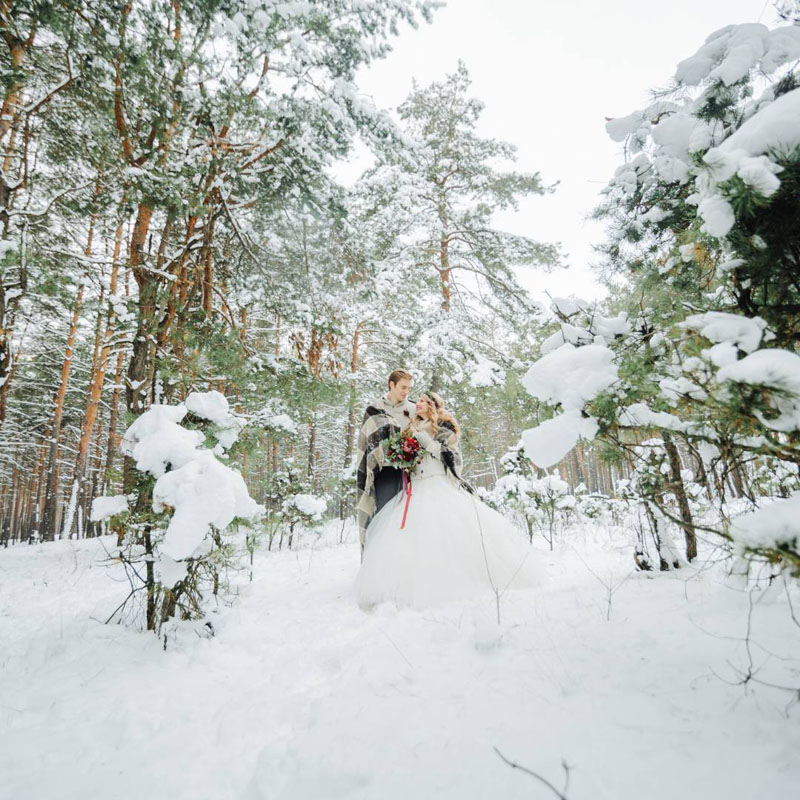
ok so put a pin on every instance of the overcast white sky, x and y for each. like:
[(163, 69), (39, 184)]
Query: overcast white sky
[(549, 73)]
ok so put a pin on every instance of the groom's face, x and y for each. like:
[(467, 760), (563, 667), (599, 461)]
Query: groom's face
[(399, 391)]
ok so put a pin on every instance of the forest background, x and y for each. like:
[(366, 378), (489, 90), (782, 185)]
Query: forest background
[(172, 224)]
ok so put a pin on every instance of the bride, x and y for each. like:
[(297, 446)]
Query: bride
[(453, 546)]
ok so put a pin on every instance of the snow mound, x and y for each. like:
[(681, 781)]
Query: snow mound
[(549, 442), (571, 376), (769, 527), (105, 507), (718, 326), (203, 492), (156, 440)]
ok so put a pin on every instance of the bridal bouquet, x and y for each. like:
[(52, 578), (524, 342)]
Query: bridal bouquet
[(404, 451)]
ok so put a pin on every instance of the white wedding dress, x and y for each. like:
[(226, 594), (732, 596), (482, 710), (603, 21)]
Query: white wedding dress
[(453, 547)]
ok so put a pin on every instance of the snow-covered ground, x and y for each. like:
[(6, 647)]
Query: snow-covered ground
[(302, 696)]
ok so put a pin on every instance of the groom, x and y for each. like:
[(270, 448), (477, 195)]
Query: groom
[(377, 483)]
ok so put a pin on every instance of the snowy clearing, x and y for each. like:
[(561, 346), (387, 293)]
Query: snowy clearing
[(301, 695)]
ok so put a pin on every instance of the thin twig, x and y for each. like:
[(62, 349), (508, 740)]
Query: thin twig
[(559, 794)]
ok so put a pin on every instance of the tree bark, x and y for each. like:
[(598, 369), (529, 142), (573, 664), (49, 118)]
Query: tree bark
[(687, 523), (352, 411), (51, 493), (100, 359)]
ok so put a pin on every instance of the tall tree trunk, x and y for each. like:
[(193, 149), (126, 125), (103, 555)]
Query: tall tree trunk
[(95, 473), (51, 499), (352, 411), (113, 421), (687, 523), (444, 265), (8, 308), (113, 418), (312, 444), (148, 283), (139, 367), (100, 359), (51, 494)]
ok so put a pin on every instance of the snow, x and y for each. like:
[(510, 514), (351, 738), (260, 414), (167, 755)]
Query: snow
[(783, 46), (673, 133), (567, 306), (718, 326), (549, 442), (156, 439), (105, 507), (641, 415), (485, 372), (571, 376), (674, 389), (774, 129), (672, 169), (759, 173), (621, 128), (745, 48), (566, 333), (610, 327), (309, 504), (283, 422), (717, 214), (169, 572), (552, 342), (721, 354), (273, 416), (301, 696), (775, 369), (729, 54), (202, 492), (680, 134), (728, 265), (211, 405), (771, 526)]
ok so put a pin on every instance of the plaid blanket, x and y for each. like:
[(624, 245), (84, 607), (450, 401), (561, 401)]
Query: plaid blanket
[(376, 427)]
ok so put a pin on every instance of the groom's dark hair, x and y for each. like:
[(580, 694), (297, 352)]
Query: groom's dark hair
[(398, 375)]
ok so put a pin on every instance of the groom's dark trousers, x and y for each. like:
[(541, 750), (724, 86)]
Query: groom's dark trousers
[(388, 484)]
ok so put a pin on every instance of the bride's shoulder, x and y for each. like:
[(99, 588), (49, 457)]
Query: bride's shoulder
[(448, 421), (450, 425)]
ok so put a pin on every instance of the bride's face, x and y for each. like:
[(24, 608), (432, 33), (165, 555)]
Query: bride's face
[(424, 407)]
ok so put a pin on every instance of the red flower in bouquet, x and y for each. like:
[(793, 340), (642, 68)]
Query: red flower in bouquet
[(404, 451)]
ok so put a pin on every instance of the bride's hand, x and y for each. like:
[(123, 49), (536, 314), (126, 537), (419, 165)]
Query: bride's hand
[(426, 440)]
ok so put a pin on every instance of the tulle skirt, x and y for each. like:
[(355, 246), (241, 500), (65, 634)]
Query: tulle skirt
[(453, 547)]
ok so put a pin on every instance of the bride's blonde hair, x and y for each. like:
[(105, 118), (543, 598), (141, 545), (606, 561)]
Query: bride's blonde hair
[(439, 413)]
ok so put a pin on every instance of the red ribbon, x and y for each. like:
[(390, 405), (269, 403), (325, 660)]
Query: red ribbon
[(407, 492)]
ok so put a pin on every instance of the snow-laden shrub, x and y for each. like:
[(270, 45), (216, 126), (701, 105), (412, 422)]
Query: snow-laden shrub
[(648, 493), (177, 521), (302, 510), (774, 478), (541, 504), (592, 506), (771, 533)]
